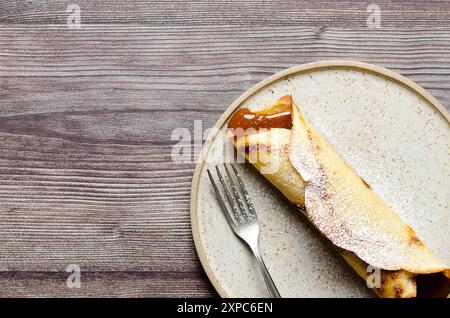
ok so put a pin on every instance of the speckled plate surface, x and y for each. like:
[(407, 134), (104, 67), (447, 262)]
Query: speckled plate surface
[(391, 131)]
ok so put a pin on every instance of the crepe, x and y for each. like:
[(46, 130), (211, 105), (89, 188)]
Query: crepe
[(367, 233)]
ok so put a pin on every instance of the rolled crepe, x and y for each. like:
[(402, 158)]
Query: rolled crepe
[(367, 233)]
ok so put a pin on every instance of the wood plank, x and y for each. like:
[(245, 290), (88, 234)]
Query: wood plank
[(191, 67), (105, 284), (86, 117), (255, 13)]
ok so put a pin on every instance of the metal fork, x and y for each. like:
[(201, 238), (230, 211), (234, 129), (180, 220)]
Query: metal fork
[(242, 219)]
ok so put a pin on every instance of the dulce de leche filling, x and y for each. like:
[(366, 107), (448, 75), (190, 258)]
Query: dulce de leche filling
[(276, 116), (245, 119)]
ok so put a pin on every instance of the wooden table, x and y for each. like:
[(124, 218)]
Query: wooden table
[(86, 117)]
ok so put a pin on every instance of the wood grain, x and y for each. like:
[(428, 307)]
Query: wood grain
[(316, 13), (105, 284), (86, 117)]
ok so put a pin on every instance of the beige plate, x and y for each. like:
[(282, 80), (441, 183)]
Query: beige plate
[(390, 130)]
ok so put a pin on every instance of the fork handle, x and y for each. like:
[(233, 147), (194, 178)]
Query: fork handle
[(273, 291)]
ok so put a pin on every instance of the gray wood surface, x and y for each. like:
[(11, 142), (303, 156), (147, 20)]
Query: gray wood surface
[(86, 117)]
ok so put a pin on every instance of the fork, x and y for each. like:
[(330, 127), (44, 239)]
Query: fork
[(243, 220)]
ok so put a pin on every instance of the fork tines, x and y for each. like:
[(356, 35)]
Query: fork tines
[(235, 198)]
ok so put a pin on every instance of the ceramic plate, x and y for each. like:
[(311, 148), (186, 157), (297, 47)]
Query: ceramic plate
[(391, 131)]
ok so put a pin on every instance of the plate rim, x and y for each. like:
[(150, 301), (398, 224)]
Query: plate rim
[(366, 67)]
